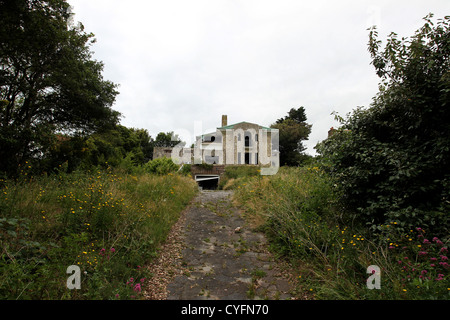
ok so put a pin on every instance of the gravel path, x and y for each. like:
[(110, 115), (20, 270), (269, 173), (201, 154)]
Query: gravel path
[(212, 253)]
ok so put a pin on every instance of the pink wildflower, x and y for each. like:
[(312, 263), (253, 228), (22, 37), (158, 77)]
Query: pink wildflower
[(440, 277)]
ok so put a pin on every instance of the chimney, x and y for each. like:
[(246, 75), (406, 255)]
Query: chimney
[(224, 120), (331, 132)]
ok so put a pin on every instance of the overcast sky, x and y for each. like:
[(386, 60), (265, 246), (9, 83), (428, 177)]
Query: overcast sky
[(182, 61)]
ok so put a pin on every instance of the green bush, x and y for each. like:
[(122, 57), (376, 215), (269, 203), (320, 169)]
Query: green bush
[(161, 166), (299, 209), (185, 170), (392, 160)]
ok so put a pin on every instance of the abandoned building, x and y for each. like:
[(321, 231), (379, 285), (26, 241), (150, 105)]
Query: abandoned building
[(242, 143), (162, 152)]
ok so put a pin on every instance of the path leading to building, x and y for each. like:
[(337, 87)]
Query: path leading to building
[(212, 253)]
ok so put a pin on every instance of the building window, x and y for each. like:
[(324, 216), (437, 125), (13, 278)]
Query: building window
[(247, 141), (239, 158)]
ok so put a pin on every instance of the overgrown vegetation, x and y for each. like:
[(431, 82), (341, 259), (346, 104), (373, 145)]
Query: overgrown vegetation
[(392, 160), (293, 130), (49, 82), (378, 194), (234, 175), (106, 222), (300, 211), (77, 188)]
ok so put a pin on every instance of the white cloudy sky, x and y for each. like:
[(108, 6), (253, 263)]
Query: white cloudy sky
[(182, 61)]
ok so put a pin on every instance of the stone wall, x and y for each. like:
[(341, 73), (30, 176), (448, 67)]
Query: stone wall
[(161, 152), (215, 169)]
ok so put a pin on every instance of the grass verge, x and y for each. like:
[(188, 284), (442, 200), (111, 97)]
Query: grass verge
[(300, 211), (108, 224)]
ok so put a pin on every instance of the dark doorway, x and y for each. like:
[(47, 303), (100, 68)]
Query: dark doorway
[(210, 184)]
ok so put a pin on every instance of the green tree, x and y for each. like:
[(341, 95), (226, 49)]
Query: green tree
[(145, 142), (392, 160), (293, 129), (168, 140), (48, 80), (110, 146), (297, 115)]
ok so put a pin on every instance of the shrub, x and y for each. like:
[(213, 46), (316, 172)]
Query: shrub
[(161, 166), (392, 160), (300, 211), (422, 265)]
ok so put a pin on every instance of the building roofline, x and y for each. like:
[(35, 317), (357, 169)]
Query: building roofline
[(231, 126)]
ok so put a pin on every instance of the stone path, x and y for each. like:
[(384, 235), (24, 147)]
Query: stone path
[(214, 254)]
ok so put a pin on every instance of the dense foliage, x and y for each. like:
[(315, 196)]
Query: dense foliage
[(300, 211), (49, 82), (392, 160), (293, 130)]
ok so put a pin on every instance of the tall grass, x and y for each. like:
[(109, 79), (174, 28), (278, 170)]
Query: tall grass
[(234, 175), (109, 224), (299, 209)]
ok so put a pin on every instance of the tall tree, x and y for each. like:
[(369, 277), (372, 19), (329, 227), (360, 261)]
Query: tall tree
[(293, 130), (168, 139), (48, 80)]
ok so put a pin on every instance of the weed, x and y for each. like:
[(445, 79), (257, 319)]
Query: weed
[(299, 210), (106, 223)]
